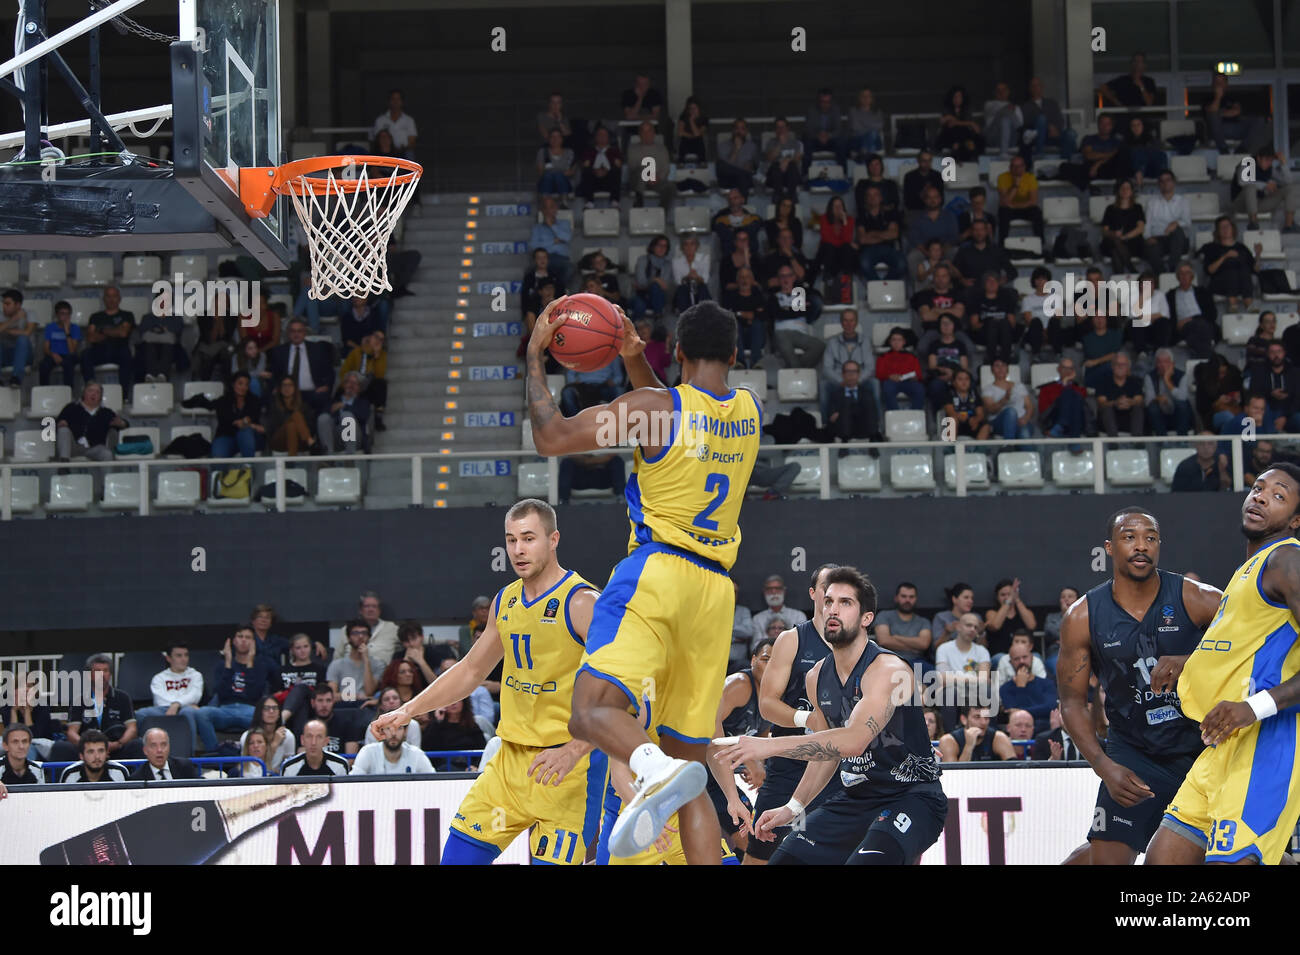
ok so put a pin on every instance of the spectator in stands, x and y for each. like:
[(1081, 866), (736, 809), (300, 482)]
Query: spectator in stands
[(16, 337), (583, 389), (253, 362), (976, 740), (749, 305), (890, 198), (945, 353), (837, 252), (554, 235), (1166, 397), (737, 162), (176, 690), (84, 426), (301, 669), (480, 610), (315, 758), (393, 756), (268, 644), (904, 631), (982, 255), (1061, 406), (159, 762), (866, 131), (1218, 390), (1150, 327), (773, 473), (286, 421), (656, 349), (108, 709), (591, 472), (553, 117), (370, 361), (309, 365), (934, 222), (602, 167), (1279, 381), (405, 677), (61, 340), (774, 597), (642, 101), (784, 155), (1168, 226), (1002, 120), (159, 333), (691, 130), (1055, 743), (733, 220), (535, 276), (993, 317), (1134, 89), (916, 182), (651, 175), (362, 318), (1271, 190), (1021, 640), (742, 256), (1105, 156), (959, 134), (1120, 401), (239, 414), (1192, 310), (1145, 152), (1043, 117), (1225, 119), (400, 125), (266, 329), (453, 727), (848, 345), (270, 722), (1052, 628), (95, 766), (1018, 198), (28, 709), (961, 600), (254, 745), (383, 633), (1020, 730), (1100, 346), (1010, 614), (1265, 335), (941, 298), (1007, 404), (823, 129), (879, 232), (964, 407), (212, 352), (352, 674), (978, 210), (785, 216), (15, 769), (345, 428), (1122, 228), (108, 341), (342, 733), (791, 324), (389, 700), (427, 657), (1026, 689), (650, 279), (557, 170), (691, 273), (1260, 458), (853, 413), (1034, 309), (933, 727), (1230, 265), (243, 678)]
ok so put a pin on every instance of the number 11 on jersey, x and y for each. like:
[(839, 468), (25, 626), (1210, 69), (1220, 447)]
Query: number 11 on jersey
[(528, 655)]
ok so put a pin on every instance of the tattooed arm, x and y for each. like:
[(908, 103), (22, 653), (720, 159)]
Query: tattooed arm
[(1073, 670)]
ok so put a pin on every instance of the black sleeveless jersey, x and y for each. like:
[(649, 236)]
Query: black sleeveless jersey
[(982, 752), (744, 720), (1125, 651), (900, 758), (811, 649)]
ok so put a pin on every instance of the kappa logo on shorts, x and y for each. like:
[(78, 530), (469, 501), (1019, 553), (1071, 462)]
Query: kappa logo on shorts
[(552, 608)]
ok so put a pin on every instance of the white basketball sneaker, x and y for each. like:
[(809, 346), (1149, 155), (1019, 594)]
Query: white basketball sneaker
[(657, 798)]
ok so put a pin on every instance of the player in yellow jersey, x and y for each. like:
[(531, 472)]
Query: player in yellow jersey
[(541, 779), (1240, 799), (661, 631)]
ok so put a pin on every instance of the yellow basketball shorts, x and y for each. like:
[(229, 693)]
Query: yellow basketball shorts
[(504, 801), (1241, 798), (661, 632)]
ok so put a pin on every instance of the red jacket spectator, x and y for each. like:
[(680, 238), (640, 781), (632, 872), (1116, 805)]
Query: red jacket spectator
[(897, 363), (1048, 394), (837, 235)]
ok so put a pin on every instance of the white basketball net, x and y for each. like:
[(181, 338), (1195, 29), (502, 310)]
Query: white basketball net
[(347, 230)]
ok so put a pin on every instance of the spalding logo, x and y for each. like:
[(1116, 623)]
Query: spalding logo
[(559, 339), (582, 318)]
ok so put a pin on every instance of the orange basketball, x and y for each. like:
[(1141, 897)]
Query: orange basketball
[(591, 336)]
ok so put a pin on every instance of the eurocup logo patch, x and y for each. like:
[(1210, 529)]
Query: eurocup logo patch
[(1168, 612), (552, 607)]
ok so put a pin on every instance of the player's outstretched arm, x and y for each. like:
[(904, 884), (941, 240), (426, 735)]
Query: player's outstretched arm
[(815, 775), (735, 693), (775, 679), (551, 766)]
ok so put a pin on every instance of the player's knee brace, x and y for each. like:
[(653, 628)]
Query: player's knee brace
[(878, 849), (461, 851)]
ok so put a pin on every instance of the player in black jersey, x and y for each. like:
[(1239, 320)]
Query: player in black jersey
[(891, 808), (783, 703), (1134, 632), (738, 716)]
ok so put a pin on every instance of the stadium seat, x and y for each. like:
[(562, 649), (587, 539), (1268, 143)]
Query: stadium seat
[(189, 267), (1177, 127), (1269, 239), (1284, 296), (138, 305), (180, 430), (886, 296), (39, 310), (152, 400), (1020, 469), (1189, 168), (290, 474), (153, 434), (996, 168), (84, 306), (1227, 167), (24, 491), (10, 403), (121, 491), (1023, 285), (1072, 470), (338, 486), (31, 447), (1170, 458), (796, 384), (47, 273), (880, 333), (533, 481), (1025, 243), (611, 253), (213, 389), (1167, 281), (600, 222), (526, 435), (141, 269), (93, 271), (858, 472), (1204, 206), (1041, 373), (647, 221), (70, 492), (691, 219), (9, 272), (1097, 207), (907, 166), (911, 472), (1128, 467), (178, 489), (905, 425), (1285, 321), (48, 400), (1061, 210), (810, 471), (754, 378), (555, 385), (112, 397), (977, 470), (1238, 327)]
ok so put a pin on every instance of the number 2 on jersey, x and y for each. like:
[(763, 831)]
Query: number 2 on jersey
[(528, 654), (721, 484)]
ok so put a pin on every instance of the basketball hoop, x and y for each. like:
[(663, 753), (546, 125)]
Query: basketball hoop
[(348, 206)]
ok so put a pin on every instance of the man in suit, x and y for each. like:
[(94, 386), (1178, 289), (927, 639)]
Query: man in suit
[(1193, 312), (310, 364), (1055, 743), (852, 408), (332, 426), (161, 764)]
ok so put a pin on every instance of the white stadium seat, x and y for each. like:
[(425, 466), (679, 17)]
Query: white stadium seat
[(1128, 467), (977, 470), (1042, 373), (152, 399), (290, 474), (533, 480), (1189, 168), (858, 472), (796, 384), (84, 306), (31, 447), (1238, 327), (905, 425), (10, 403), (691, 219), (189, 267), (646, 221), (24, 489), (1020, 469), (94, 271), (1072, 470), (70, 492), (178, 489), (9, 273), (338, 486), (1270, 241), (1284, 296), (1227, 167), (121, 491), (600, 222), (886, 296), (213, 389), (526, 436), (141, 269), (755, 379), (113, 397), (48, 400), (47, 273), (1204, 206), (1170, 458), (1097, 207), (1061, 210), (911, 472), (1025, 243), (810, 471)]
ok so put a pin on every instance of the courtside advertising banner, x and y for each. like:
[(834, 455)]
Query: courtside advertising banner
[(1018, 815)]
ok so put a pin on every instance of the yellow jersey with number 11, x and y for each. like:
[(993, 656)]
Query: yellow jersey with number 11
[(688, 496), (542, 654)]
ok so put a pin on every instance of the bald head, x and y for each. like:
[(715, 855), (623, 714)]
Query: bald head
[(157, 747)]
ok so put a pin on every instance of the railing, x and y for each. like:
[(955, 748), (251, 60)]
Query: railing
[(416, 462)]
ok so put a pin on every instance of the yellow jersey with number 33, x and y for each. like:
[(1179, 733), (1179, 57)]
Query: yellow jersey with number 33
[(1251, 644), (542, 654), (689, 495)]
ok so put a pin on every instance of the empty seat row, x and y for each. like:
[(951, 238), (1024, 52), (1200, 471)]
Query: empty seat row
[(99, 271)]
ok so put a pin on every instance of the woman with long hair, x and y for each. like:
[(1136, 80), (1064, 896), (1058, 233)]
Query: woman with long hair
[(286, 420), (1265, 334), (838, 252), (405, 677), (454, 727), (691, 129), (257, 744), (958, 133), (1230, 265), (389, 700), (961, 600), (251, 360), (1122, 227), (268, 721), (784, 216), (239, 413)]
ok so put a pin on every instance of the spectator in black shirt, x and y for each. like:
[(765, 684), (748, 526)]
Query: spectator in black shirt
[(642, 101), (302, 669), (83, 426), (1230, 265), (1105, 156), (453, 727), (108, 341), (993, 317), (1145, 152), (943, 296), (15, 770), (889, 197), (1134, 88), (541, 271), (915, 182), (1279, 382), (785, 254), (1226, 119), (978, 210), (1120, 402), (109, 710), (853, 414), (1201, 471), (878, 234), (242, 678), (1122, 228), (943, 356), (429, 658), (315, 758), (959, 134), (160, 763), (785, 216), (1271, 190), (749, 305), (341, 732), (980, 255)]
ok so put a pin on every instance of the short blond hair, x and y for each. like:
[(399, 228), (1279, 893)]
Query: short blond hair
[(531, 505)]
